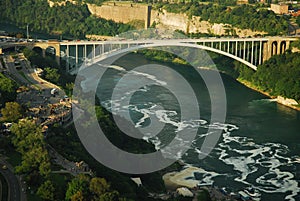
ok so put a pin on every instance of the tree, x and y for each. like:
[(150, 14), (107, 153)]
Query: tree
[(78, 186), (46, 190), (11, 112), (7, 88), (26, 134), (52, 74), (99, 186), (77, 196), (69, 87), (29, 141)]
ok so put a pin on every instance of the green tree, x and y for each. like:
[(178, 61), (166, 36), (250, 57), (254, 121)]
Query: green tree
[(52, 74), (11, 112), (78, 186), (78, 196), (7, 88), (26, 135), (29, 141), (99, 186), (46, 190), (69, 87)]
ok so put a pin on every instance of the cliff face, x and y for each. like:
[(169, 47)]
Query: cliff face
[(122, 12), (164, 19), (126, 12)]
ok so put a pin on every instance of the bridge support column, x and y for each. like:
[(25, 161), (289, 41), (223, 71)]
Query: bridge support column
[(255, 54), (287, 43), (228, 48), (252, 52), (76, 56), (94, 51), (267, 50), (244, 55), (85, 53), (57, 54), (68, 59), (260, 52), (236, 48)]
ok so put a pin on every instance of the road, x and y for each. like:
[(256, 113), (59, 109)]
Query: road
[(68, 166), (13, 71), (33, 77), (14, 184), (30, 78)]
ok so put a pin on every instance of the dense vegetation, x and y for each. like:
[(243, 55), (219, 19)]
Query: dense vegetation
[(7, 89), (69, 20), (75, 151), (278, 76), (28, 139), (83, 187), (12, 112), (244, 16)]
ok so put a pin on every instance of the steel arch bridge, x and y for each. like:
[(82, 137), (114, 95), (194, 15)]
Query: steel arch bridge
[(249, 51)]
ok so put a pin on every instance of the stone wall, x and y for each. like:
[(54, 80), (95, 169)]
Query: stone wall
[(122, 12), (280, 8)]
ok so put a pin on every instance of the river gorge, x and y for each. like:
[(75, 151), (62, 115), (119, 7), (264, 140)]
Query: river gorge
[(259, 145)]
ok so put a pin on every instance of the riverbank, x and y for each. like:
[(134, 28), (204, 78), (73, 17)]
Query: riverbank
[(291, 103), (279, 99)]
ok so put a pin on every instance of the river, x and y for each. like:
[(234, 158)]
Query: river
[(260, 143)]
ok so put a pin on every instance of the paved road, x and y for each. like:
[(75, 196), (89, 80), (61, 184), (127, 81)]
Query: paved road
[(13, 71), (33, 77), (15, 193)]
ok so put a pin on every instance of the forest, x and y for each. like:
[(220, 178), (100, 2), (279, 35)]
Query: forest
[(7, 89), (69, 21), (277, 76)]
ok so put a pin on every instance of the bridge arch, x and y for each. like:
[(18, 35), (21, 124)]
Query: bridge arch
[(51, 52), (170, 43), (274, 48), (38, 50), (282, 47)]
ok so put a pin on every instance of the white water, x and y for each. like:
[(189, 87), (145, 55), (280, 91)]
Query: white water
[(267, 161)]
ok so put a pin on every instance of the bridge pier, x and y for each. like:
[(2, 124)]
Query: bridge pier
[(275, 47), (45, 45)]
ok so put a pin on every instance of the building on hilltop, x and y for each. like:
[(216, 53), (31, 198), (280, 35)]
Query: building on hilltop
[(242, 1), (280, 8)]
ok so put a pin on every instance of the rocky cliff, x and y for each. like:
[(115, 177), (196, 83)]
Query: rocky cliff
[(126, 12), (164, 19)]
